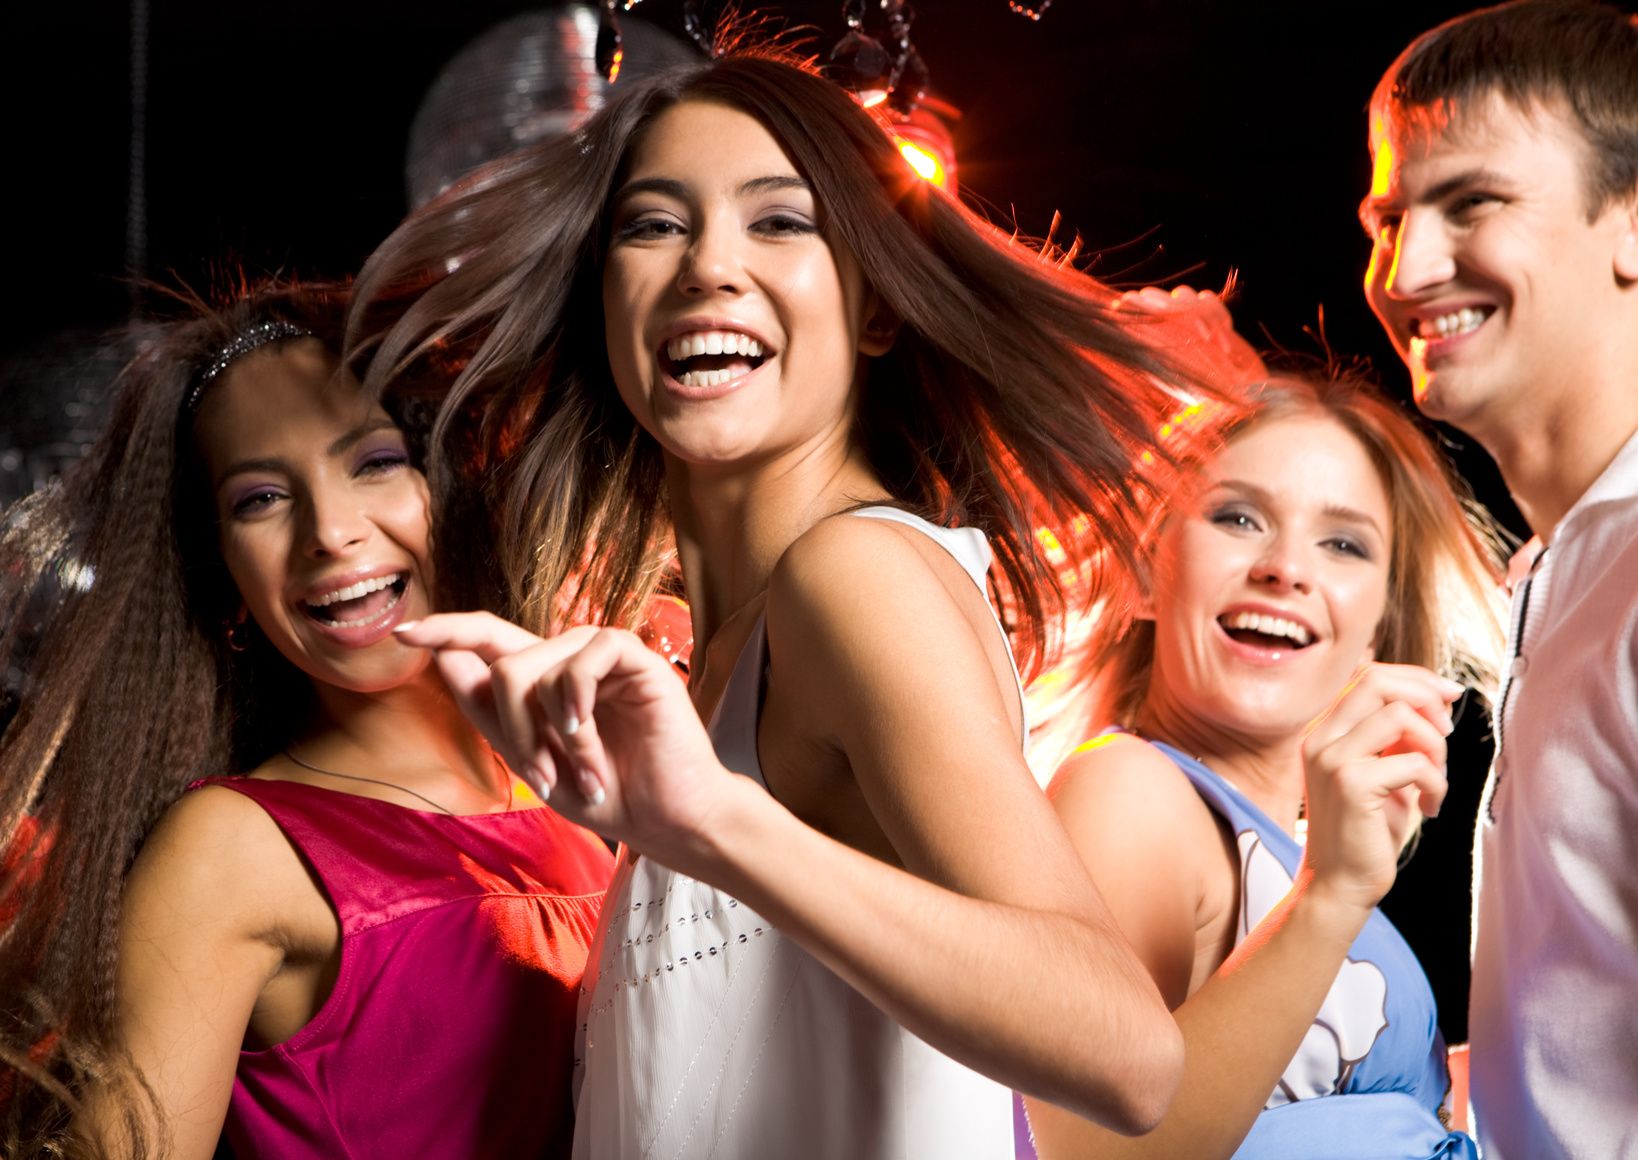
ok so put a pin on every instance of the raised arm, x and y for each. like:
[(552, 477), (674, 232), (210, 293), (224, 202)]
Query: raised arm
[(194, 955), (1153, 846), (994, 946)]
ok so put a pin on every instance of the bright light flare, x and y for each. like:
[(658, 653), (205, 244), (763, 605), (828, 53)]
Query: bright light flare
[(926, 164)]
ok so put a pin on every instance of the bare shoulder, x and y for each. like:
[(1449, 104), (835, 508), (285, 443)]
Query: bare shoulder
[(1118, 792), (1152, 846), (888, 607), (215, 856), (844, 557)]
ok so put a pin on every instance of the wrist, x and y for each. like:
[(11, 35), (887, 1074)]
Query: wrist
[(1334, 908), (717, 837)]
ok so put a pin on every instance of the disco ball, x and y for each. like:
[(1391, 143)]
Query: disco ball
[(528, 79), (57, 392)]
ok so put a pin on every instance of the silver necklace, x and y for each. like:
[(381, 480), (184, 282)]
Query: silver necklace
[(394, 785)]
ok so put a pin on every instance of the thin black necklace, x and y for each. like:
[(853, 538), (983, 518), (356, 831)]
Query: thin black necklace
[(510, 788)]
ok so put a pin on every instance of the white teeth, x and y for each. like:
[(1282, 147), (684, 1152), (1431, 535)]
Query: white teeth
[(360, 623), (713, 342), (709, 378), (1269, 626), (354, 591), (1456, 322)]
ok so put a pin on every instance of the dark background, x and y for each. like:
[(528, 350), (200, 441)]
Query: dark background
[(1182, 139)]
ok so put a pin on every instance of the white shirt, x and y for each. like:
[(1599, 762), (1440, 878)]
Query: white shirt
[(707, 1034), (1554, 1008)]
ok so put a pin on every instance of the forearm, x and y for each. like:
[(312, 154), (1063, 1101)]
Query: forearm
[(1240, 1031), (1052, 1004)]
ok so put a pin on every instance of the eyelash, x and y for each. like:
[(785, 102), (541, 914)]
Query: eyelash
[(262, 497), (1235, 518), (382, 461), (376, 463), (1349, 547), (650, 228), (647, 229)]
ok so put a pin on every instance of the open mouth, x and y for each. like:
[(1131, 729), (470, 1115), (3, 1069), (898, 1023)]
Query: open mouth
[(358, 604), (710, 358), (1264, 631), (1451, 324)]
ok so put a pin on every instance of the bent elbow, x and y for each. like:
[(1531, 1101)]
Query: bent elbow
[(1143, 1091)]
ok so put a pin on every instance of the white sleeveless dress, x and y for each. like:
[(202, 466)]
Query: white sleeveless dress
[(707, 1033)]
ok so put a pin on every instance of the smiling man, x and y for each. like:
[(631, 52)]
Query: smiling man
[(1504, 217)]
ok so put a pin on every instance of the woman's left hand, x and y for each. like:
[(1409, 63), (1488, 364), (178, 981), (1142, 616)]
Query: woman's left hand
[(1374, 762), (592, 718)]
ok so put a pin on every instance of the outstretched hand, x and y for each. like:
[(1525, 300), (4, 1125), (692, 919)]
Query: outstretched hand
[(1374, 762), (592, 718), (1199, 333)]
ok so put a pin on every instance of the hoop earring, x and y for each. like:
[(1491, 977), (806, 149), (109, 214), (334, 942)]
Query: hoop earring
[(238, 635)]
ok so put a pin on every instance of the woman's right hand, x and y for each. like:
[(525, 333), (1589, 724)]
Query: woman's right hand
[(1374, 761), (592, 718)]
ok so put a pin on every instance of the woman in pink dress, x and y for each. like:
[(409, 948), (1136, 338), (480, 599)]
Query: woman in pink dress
[(352, 949)]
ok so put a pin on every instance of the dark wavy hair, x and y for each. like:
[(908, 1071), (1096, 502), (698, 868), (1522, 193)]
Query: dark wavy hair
[(1014, 398), (114, 608)]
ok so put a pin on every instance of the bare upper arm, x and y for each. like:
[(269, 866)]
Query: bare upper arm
[(1149, 842), (199, 939), (896, 662)]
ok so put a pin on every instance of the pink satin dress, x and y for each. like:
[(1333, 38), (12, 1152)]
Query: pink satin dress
[(450, 1031)]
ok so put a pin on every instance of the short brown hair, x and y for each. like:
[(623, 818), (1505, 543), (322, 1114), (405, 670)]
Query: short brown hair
[(1573, 56)]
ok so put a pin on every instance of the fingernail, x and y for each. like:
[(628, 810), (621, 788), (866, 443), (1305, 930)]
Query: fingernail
[(571, 723), (406, 626), (542, 780), (591, 788)]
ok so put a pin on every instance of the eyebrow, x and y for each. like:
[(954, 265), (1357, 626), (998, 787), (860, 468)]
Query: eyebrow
[(671, 187), (1334, 511), (346, 441), (1468, 177)]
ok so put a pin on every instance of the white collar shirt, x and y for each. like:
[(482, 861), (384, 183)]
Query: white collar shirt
[(1554, 1008)]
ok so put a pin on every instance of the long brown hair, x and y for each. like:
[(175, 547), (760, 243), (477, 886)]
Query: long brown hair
[(1443, 610), (1014, 398), (114, 610)]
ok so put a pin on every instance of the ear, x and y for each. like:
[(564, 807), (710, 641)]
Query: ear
[(881, 328), (1626, 241)]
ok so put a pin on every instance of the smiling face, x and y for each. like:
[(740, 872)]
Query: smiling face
[(1498, 291), (1271, 579), (734, 323), (322, 520)]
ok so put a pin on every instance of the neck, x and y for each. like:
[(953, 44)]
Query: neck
[(1551, 453), (1267, 769), (409, 735), (733, 523)]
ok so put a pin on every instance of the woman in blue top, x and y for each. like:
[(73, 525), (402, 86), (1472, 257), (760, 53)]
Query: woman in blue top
[(1305, 592)]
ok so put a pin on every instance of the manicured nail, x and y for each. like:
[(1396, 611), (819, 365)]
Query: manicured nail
[(591, 788), (571, 723), (406, 626)]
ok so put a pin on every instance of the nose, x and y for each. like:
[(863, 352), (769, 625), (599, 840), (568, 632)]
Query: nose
[(334, 526), (1283, 567), (1419, 256), (711, 264)]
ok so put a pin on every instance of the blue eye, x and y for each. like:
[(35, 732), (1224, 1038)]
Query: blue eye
[(1236, 518), (1348, 546)]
